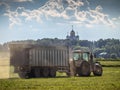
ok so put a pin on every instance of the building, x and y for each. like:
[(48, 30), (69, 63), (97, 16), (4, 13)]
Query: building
[(72, 36)]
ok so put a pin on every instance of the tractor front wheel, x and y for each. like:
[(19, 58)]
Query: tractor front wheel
[(97, 69)]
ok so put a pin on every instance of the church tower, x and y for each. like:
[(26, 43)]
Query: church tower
[(72, 36)]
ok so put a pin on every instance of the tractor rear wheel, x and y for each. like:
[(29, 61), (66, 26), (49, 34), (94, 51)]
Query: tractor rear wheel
[(84, 69), (97, 69)]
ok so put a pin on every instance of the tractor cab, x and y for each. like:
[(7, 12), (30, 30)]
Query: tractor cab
[(79, 55)]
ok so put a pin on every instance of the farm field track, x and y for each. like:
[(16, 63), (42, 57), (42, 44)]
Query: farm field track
[(109, 81)]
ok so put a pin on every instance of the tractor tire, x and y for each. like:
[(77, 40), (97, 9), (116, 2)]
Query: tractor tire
[(23, 75), (84, 69), (97, 69), (45, 72), (52, 73), (37, 72)]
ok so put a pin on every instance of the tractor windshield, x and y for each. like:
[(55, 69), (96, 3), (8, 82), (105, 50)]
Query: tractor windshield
[(80, 56), (85, 56), (77, 56)]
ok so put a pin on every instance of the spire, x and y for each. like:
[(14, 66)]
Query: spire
[(72, 33), (72, 27)]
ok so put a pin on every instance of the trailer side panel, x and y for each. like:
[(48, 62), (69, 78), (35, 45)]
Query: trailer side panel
[(48, 56)]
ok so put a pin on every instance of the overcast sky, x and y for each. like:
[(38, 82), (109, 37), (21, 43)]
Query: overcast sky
[(37, 19)]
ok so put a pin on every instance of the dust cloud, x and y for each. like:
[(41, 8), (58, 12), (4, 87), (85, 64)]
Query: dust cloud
[(4, 65), (4, 68)]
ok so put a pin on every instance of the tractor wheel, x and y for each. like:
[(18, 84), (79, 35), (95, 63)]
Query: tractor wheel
[(84, 69), (37, 72), (45, 72), (23, 75), (97, 69), (52, 72)]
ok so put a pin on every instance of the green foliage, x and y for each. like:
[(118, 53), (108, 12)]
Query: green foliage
[(110, 46)]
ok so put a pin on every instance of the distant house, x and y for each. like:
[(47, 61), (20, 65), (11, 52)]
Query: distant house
[(103, 55)]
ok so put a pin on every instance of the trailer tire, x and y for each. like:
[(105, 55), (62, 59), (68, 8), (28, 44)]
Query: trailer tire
[(32, 73), (97, 69), (68, 74), (37, 72), (84, 69), (45, 72), (52, 72), (23, 75)]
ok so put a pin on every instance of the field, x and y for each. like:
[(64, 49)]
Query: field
[(109, 81), (110, 63)]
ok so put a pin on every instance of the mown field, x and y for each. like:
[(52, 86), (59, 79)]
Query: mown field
[(110, 63), (109, 81)]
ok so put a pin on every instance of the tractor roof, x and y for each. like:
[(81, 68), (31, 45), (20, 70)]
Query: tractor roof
[(80, 51)]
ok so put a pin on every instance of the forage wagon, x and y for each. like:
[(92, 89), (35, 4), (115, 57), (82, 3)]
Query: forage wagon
[(30, 60)]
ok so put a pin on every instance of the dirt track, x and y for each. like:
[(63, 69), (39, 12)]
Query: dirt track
[(4, 68)]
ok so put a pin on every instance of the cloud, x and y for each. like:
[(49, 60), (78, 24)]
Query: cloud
[(13, 18), (99, 17), (80, 16), (116, 21), (72, 4), (67, 10)]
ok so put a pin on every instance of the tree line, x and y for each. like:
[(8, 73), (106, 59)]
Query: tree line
[(102, 48)]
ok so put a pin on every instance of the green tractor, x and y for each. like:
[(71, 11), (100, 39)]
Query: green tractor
[(82, 64)]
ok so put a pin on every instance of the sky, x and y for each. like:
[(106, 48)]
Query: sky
[(37, 19)]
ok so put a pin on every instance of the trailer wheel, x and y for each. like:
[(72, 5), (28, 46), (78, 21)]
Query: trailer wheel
[(23, 75), (52, 72), (45, 72), (68, 74), (97, 69), (37, 72), (84, 69), (32, 73)]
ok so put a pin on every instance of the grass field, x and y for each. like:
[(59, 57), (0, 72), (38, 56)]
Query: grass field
[(109, 81), (110, 63)]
